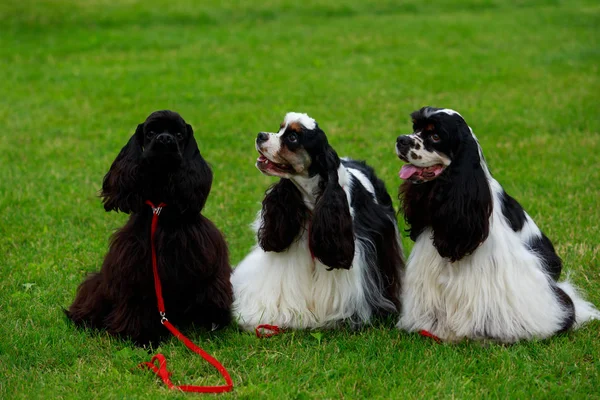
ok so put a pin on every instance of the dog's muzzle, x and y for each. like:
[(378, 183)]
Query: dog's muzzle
[(403, 144), (261, 138), (166, 140)]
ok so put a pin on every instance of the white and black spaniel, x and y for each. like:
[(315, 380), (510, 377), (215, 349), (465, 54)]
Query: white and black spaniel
[(160, 163), (480, 267), (328, 248)]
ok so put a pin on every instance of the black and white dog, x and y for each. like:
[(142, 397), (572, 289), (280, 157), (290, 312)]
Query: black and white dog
[(480, 267), (328, 247)]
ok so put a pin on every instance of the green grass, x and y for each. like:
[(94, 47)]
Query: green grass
[(76, 78)]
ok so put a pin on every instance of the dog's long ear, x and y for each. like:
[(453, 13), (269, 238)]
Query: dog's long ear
[(283, 215), (119, 191), (332, 234), (191, 152), (414, 204), (195, 178), (462, 206)]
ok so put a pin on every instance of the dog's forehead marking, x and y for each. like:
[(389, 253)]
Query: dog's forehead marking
[(295, 126), (300, 118)]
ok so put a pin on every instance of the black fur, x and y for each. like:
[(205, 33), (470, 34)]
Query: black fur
[(284, 212), (457, 205), (568, 305), (120, 186), (283, 215), (332, 234), (543, 247), (376, 232), (308, 163), (161, 163), (513, 212)]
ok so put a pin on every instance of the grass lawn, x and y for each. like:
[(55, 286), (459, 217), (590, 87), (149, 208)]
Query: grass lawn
[(78, 76)]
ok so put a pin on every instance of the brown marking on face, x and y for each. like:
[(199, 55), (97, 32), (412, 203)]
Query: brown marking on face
[(298, 159), (429, 127), (414, 121), (295, 126), (415, 156)]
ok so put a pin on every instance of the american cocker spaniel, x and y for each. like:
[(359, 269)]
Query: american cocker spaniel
[(480, 267), (160, 163), (328, 248)]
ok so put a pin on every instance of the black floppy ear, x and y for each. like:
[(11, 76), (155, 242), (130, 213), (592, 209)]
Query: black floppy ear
[(119, 191), (191, 151), (461, 217), (195, 177), (283, 215), (414, 204), (332, 234)]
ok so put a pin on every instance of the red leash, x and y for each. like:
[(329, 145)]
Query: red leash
[(266, 331), (428, 334), (161, 370)]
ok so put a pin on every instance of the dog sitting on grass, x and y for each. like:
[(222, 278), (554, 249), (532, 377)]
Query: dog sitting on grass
[(480, 267), (160, 163), (328, 248)]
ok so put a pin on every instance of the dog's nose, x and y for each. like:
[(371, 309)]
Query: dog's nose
[(403, 142), (165, 138), (262, 137)]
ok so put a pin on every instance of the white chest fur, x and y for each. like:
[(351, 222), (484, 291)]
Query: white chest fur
[(291, 289)]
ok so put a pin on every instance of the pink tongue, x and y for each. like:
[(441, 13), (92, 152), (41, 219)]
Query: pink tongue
[(407, 171)]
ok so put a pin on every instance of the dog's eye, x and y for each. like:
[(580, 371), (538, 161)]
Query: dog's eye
[(179, 135), (292, 138), (435, 138), (150, 134)]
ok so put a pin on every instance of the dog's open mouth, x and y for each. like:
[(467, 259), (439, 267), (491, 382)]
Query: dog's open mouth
[(268, 166), (420, 174)]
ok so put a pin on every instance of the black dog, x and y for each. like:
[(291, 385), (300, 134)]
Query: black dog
[(160, 163)]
